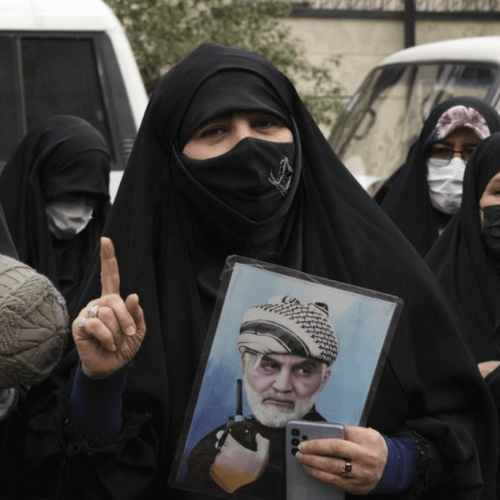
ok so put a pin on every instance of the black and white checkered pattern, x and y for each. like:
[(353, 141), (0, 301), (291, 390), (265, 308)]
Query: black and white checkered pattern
[(284, 325)]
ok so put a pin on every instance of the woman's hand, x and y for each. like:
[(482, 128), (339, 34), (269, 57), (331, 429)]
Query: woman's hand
[(486, 367), (110, 338), (364, 449)]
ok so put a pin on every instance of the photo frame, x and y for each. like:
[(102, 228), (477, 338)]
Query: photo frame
[(225, 427)]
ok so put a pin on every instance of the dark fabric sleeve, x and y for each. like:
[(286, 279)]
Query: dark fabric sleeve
[(95, 404), (413, 465), (63, 463), (400, 470)]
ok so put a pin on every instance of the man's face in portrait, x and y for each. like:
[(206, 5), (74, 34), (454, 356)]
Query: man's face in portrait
[(282, 387)]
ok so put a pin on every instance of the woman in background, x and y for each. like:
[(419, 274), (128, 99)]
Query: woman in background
[(425, 192), (55, 194), (466, 259)]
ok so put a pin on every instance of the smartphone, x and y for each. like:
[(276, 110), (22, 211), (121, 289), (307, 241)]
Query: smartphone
[(299, 484)]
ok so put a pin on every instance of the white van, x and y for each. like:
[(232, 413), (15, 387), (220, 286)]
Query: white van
[(387, 112), (68, 57)]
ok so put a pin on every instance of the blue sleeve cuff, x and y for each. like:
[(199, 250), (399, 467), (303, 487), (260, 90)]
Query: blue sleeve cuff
[(401, 468), (95, 404)]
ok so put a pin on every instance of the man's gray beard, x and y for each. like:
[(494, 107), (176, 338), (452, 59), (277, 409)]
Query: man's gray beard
[(272, 416)]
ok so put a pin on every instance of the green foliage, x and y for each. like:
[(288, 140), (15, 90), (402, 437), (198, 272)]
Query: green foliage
[(162, 31)]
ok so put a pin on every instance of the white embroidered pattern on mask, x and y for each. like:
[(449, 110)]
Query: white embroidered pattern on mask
[(283, 180)]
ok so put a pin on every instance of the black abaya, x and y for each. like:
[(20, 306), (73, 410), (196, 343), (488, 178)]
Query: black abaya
[(172, 236), (462, 265), (466, 272)]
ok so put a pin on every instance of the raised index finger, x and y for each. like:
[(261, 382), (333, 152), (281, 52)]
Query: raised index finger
[(110, 274)]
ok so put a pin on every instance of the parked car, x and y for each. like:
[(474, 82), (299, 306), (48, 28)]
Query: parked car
[(386, 114), (68, 57)]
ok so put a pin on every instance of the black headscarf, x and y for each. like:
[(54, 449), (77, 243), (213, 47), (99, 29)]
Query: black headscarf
[(405, 195), (461, 263), (7, 246), (172, 236), (61, 155)]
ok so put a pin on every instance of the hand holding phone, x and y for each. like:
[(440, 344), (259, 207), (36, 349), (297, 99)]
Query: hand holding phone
[(299, 484)]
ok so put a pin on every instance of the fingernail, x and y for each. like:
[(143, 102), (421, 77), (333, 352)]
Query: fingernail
[(130, 331), (298, 455), (81, 323), (123, 347)]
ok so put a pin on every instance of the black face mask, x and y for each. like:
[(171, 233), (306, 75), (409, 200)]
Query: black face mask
[(490, 232), (253, 178)]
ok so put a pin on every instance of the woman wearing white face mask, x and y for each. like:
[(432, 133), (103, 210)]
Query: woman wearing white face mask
[(425, 192), (54, 191), (466, 260)]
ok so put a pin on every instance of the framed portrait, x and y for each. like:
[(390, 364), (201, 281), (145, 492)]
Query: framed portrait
[(282, 346)]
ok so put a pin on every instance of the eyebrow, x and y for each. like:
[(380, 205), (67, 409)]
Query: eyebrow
[(268, 357), (307, 363), (448, 143), (495, 182), (232, 114)]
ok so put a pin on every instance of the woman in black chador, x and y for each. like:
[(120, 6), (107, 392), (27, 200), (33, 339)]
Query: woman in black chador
[(55, 194), (425, 192), (229, 161), (466, 259)]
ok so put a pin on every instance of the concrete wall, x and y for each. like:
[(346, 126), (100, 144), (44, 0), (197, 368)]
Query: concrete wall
[(361, 43), (434, 31)]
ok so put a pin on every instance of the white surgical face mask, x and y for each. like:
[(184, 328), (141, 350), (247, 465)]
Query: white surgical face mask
[(68, 218), (445, 183)]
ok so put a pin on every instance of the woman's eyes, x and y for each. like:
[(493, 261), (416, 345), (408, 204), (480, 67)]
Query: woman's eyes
[(212, 131), (441, 151), (265, 122), (217, 129)]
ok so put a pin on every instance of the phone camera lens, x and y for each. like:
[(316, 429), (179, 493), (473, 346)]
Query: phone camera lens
[(295, 432), (295, 442), (294, 451)]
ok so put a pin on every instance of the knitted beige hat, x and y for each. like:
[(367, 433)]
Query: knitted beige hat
[(33, 324)]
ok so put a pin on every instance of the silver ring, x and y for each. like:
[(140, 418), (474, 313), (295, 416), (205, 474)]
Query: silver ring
[(93, 311), (347, 470), (81, 323)]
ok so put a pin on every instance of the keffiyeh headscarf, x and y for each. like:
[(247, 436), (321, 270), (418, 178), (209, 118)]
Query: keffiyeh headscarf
[(285, 326)]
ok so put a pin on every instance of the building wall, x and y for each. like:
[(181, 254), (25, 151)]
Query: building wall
[(362, 43)]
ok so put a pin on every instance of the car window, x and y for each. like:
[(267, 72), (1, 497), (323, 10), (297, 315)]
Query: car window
[(386, 115), (43, 76)]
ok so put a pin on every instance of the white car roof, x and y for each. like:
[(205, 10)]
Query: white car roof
[(62, 15), (484, 49)]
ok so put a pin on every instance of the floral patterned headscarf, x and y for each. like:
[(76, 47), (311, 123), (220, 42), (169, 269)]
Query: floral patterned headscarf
[(457, 117)]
